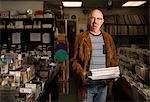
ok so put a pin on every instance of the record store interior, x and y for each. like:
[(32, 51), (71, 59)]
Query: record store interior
[(37, 42)]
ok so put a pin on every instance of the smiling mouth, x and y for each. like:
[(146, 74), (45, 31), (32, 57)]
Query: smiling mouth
[(94, 26)]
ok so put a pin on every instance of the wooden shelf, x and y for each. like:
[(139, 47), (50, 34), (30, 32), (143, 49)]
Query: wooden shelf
[(19, 32), (127, 29)]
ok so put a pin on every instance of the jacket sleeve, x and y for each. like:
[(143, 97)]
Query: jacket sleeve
[(76, 66), (114, 61)]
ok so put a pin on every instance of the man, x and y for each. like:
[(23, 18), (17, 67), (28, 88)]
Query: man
[(93, 49)]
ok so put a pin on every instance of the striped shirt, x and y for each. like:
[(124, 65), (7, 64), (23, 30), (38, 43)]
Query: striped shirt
[(98, 59)]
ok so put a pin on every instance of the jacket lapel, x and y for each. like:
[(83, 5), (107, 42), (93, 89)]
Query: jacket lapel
[(108, 48), (87, 39)]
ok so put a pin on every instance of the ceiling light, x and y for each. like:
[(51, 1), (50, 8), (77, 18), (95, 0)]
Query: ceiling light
[(72, 3), (133, 3)]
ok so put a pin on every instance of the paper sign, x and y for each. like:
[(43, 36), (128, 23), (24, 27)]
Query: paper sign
[(46, 38), (16, 38), (35, 36)]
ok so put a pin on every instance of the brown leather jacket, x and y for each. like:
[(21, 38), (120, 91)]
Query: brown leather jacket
[(82, 56)]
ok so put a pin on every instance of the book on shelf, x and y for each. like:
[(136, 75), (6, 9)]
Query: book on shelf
[(110, 19), (120, 19), (126, 18), (137, 19), (143, 20), (126, 25), (123, 29)]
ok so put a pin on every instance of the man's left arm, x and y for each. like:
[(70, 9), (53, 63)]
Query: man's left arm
[(114, 61)]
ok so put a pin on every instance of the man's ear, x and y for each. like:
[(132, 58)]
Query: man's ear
[(103, 20)]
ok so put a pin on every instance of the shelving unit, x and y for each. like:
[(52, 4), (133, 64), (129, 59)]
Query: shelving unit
[(65, 40), (31, 35), (130, 33), (31, 77), (127, 29), (135, 72), (15, 76), (25, 34)]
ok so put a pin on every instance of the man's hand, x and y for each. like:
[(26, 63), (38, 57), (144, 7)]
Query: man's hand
[(84, 78)]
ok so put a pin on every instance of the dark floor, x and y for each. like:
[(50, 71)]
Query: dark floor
[(71, 97)]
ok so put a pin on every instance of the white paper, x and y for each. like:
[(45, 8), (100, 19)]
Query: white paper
[(19, 56), (105, 73), (46, 38), (25, 90), (32, 86), (35, 36), (4, 69), (16, 38)]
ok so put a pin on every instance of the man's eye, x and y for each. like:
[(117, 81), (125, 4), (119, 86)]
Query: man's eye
[(99, 18), (92, 18)]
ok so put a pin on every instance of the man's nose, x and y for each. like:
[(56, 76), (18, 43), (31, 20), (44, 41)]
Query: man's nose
[(94, 20)]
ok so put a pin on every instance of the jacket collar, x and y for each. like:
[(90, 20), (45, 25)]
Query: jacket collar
[(86, 37)]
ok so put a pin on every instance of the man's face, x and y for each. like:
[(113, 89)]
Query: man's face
[(96, 20)]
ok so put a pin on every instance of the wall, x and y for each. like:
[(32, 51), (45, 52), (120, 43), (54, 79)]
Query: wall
[(21, 6), (81, 18)]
